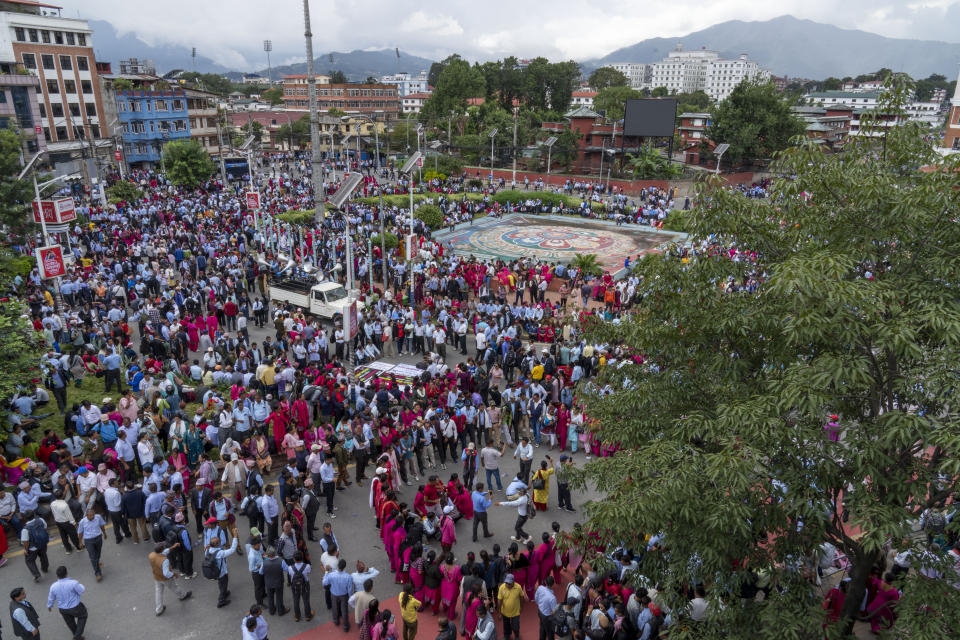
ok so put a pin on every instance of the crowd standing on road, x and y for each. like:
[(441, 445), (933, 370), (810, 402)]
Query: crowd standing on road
[(200, 420)]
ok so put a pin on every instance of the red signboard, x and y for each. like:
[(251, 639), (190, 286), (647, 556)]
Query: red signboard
[(55, 211), (50, 261), (253, 200), (352, 321), (38, 130), (420, 161), (117, 156)]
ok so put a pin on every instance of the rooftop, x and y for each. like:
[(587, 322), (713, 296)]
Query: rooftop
[(844, 95), (581, 112)]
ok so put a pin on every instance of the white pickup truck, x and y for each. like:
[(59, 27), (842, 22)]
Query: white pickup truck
[(324, 299)]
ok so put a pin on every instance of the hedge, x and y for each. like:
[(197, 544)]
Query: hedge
[(298, 218), (431, 215), (391, 241)]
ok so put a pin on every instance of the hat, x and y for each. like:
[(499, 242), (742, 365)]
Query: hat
[(82, 469), (24, 485), (380, 470), (107, 400), (178, 517), (471, 446), (104, 418), (101, 467), (509, 579), (234, 456), (254, 532), (308, 482), (211, 520), (316, 447), (250, 463), (448, 509), (209, 349), (564, 458)]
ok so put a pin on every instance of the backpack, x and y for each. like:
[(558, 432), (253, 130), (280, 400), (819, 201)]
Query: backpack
[(561, 624), (251, 508), (156, 531), (935, 522), (210, 567), (38, 533), (298, 579), (655, 623)]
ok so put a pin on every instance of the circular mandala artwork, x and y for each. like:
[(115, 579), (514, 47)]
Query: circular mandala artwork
[(550, 242)]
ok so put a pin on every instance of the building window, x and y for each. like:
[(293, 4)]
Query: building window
[(61, 133), (135, 106), (52, 86), (56, 109), (71, 40), (74, 110), (45, 36), (34, 35), (91, 110), (86, 86), (121, 105), (29, 61), (43, 110), (82, 63), (82, 39), (178, 105), (181, 125), (69, 86), (95, 130), (66, 63), (58, 37), (47, 61), (161, 105), (20, 34)]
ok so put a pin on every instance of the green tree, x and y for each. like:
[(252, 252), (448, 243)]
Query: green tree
[(334, 112), (612, 100), (122, 84), (537, 80), (210, 81), (650, 164), (15, 195), (724, 451), (372, 80), (458, 81), (337, 77), (562, 80), (607, 77), (273, 96), (430, 214), (21, 348), (587, 263), (755, 120), (296, 133), (123, 191), (433, 76), (188, 164), (832, 84), (660, 92)]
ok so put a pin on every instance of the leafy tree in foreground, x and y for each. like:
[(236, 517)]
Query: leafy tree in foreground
[(724, 446), (755, 120), (188, 164), (14, 194), (613, 100), (607, 77)]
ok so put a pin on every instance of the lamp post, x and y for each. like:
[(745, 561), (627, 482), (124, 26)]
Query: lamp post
[(407, 168), (383, 243), (719, 151), (513, 152), (319, 194), (492, 134), (268, 47), (549, 142)]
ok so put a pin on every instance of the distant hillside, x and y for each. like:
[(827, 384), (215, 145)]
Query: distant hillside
[(802, 48), (358, 65), (111, 47)]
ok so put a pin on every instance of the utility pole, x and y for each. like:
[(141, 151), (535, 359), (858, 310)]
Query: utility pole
[(449, 138), (318, 191), (223, 168), (513, 179)]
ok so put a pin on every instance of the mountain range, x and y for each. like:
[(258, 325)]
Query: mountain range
[(785, 45), (802, 48)]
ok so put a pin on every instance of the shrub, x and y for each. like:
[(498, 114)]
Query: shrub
[(433, 175), (123, 191), (677, 220), (475, 182), (450, 165), (390, 240), (430, 214), (298, 218)]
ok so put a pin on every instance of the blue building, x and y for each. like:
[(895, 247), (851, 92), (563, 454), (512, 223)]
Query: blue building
[(150, 119)]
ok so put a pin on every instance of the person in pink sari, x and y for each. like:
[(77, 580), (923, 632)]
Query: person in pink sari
[(193, 334), (533, 571), (471, 603), (397, 537), (544, 557), (212, 325), (301, 414), (416, 570), (882, 609), (450, 577)]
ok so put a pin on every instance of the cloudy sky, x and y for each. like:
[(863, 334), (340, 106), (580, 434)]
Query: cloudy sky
[(231, 32)]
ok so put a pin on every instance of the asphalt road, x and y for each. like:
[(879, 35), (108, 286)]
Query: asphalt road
[(121, 606)]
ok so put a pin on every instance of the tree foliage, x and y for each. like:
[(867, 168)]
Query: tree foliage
[(187, 163), (724, 451), (15, 195), (430, 214), (297, 132), (755, 120), (211, 82), (298, 218), (337, 76), (123, 191), (458, 81), (612, 100), (273, 96), (607, 77), (650, 164), (587, 263), (20, 346)]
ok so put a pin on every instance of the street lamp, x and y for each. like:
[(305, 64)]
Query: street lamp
[(338, 201), (492, 134), (268, 47), (612, 153), (719, 151), (549, 142), (407, 168)]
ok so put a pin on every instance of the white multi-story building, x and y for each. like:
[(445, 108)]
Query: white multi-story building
[(638, 73), (856, 99), (413, 102), (703, 70), (407, 84)]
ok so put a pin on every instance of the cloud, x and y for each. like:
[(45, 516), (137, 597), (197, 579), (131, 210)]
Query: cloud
[(438, 25), (232, 31)]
